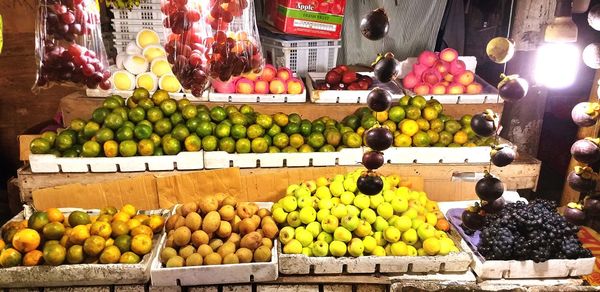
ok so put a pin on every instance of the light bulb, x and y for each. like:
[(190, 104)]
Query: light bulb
[(556, 64)]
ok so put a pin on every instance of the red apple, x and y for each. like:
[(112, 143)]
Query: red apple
[(455, 88), (427, 58), (277, 86), (295, 86), (284, 73), (410, 81), (474, 88), (448, 54), (268, 73), (445, 83), (422, 89), (457, 67), (252, 75), (261, 86), (244, 86), (441, 66), (465, 78), (438, 88), (333, 77), (418, 69), (431, 76), (448, 77), (349, 77), (343, 68)]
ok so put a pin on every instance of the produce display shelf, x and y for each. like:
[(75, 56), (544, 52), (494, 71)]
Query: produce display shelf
[(256, 98), (452, 263), (513, 269), (80, 274), (216, 274), (347, 96), (128, 93)]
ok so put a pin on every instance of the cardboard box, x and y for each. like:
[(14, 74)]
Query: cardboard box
[(314, 18)]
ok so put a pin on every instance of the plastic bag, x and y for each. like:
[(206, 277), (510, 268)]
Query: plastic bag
[(215, 39), (69, 48)]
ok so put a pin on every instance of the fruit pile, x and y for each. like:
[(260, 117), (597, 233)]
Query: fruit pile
[(215, 232), (269, 81), (61, 58), (343, 78), (332, 218), (50, 238), (441, 74), (534, 231)]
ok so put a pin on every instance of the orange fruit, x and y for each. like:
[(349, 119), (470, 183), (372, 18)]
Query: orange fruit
[(155, 222), (79, 218), (129, 258), (110, 255), (10, 257), (26, 240), (54, 254), (75, 254), (55, 215), (119, 228), (94, 245), (409, 127), (101, 229), (133, 223), (37, 220), (129, 209), (104, 218), (53, 230), (442, 224), (460, 137), (142, 229), (79, 234), (108, 211), (2, 244), (141, 244), (121, 216), (33, 258), (141, 217)]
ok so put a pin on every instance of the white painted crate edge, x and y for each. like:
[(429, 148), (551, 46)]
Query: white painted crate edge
[(218, 274), (338, 96), (81, 274), (47, 163), (437, 155)]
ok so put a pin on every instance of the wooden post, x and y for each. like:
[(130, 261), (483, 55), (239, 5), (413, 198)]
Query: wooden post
[(570, 195)]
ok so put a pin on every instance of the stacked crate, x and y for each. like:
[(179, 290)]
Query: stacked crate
[(127, 23)]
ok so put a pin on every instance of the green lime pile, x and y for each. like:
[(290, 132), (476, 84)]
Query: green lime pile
[(418, 122)]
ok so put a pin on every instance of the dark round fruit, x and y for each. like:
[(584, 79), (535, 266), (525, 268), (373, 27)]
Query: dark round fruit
[(375, 25), (483, 126), (472, 220), (489, 188), (579, 183), (503, 156), (494, 206), (513, 88), (574, 214), (370, 184), (372, 160), (379, 100), (594, 17), (591, 206), (387, 68), (585, 151), (379, 139), (583, 116)]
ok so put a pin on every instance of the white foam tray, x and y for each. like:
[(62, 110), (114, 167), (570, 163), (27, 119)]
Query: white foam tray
[(47, 163), (302, 265), (217, 274), (80, 274), (346, 96), (256, 98), (222, 159), (437, 155), (128, 93)]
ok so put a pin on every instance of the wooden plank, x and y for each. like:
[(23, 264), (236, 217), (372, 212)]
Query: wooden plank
[(287, 288), (568, 194), (73, 106), (337, 288)]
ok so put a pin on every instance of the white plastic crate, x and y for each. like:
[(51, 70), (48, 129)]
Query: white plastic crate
[(135, 25), (143, 12), (130, 36), (301, 55)]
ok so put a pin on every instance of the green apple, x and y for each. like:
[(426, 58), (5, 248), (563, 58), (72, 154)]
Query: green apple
[(402, 192), (291, 189), (279, 215), (385, 210), (446, 246), (314, 228), (330, 223), (336, 188), (379, 225), (308, 214), (350, 184), (391, 234), (368, 215), (393, 179), (423, 199), (342, 234), (388, 195), (386, 185), (388, 249), (337, 248), (379, 238), (399, 249), (426, 231), (338, 177), (347, 198), (352, 210), (362, 201), (311, 185), (439, 234), (410, 237), (363, 229), (325, 204), (421, 252), (320, 248), (335, 201), (392, 220), (432, 206), (339, 211), (399, 204), (302, 191), (416, 222), (300, 228), (431, 219), (369, 243), (307, 251), (432, 246), (306, 202), (293, 219), (323, 192), (403, 223), (350, 222), (322, 181), (304, 236), (322, 213), (356, 247), (289, 203), (275, 206), (324, 236), (375, 201), (378, 251), (293, 247), (286, 234), (411, 213)]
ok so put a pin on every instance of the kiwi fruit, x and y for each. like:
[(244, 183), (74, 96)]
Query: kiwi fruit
[(226, 248), (211, 222), (231, 259), (227, 212), (224, 229), (193, 221), (244, 255), (204, 250), (182, 236), (215, 243), (186, 251), (229, 201), (251, 240), (166, 254), (193, 260), (213, 259), (208, 205), (199, 237), (262, 254), (188, 208), (247, 225), (175, 262)]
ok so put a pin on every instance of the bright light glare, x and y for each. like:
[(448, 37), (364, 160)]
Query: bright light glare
[(556, 64)]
